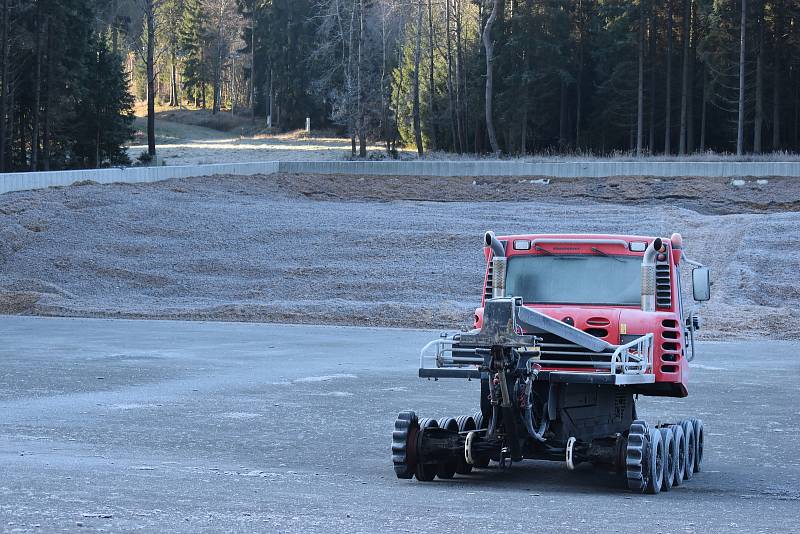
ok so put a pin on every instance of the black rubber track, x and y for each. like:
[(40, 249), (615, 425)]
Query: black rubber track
[(699, 439), (679, 439), (465, 424), (447, 469), (691, 448), (405, 425), (654, 461), (670, 456), (479, 425), (425, 472), (635, 456)]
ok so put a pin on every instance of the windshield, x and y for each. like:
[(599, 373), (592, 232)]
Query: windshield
[(575, 279)]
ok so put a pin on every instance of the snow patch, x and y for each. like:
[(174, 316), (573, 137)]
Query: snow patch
[(323, 378), (240, 415), (707, 367)]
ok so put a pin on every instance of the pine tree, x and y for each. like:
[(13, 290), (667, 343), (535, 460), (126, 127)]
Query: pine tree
[(193, 43), (105, 111)]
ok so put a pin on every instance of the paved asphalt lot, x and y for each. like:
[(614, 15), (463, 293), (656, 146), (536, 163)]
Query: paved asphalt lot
[(210, 427)]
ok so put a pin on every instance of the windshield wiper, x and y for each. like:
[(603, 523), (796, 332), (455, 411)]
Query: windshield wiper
[(598, 251), (544, 250)]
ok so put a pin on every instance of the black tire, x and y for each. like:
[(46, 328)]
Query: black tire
[(404, 444), (670, 458), (679, 442), (425, 472), (635, 455), (465, 424), (655, 462), (699, 438), (691, 449), (480, 463), (447, 469), (479, 422)]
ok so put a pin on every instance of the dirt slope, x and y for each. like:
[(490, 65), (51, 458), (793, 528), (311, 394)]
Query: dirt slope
[(371, 250)]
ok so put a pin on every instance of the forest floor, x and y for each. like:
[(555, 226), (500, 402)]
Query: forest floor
[(198, 137), (381, 251)]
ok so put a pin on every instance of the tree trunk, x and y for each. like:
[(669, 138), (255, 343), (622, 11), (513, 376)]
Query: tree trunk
[(4, 82), (151, 97), (776, 104), (461, 121), (362, 136), (174, 98), (776, 76), (12, 94), (562, 118), (579, 82), (431, 114), (450, 100), (46, 117), (37, 89), (217, 104), (252, 63), (692, 61), (640, 90), (97, 132), (668, 84), (523, 137), (703, 113), (758, 122), (351, 109), (488, 46), (687, 13), (740, 120), (651, 52), (415, 111)]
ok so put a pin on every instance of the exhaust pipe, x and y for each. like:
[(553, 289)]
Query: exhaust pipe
[(649, 275), (499, 263), (490, 240)]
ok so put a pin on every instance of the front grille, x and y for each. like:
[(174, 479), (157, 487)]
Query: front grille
[(663, 285), (487, 291), (554, 347)]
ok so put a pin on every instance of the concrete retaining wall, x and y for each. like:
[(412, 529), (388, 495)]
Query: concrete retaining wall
[(20, 181), (572, 169)]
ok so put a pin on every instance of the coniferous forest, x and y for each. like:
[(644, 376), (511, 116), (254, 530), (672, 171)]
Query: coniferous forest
[(508, 77)]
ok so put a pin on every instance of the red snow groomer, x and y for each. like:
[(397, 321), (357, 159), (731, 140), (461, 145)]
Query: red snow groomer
[(571, 328)]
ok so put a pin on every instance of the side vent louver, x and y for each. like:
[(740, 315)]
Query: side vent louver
[(487, 291), (663, 285)]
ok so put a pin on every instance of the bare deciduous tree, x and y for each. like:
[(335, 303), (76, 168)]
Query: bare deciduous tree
[(488, 45)]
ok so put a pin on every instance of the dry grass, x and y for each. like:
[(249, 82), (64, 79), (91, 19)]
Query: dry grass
[(191, 136)]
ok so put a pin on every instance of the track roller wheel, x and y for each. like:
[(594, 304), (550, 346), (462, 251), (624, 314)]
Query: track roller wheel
[(698, 439), (404, 444), (691, 448), (447, 469), (670, 457), (655, 462), (679, 443), (465, 424), (635, 456), (425, 472), (480, 424)]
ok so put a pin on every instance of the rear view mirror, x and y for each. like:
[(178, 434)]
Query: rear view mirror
[(701, 284)]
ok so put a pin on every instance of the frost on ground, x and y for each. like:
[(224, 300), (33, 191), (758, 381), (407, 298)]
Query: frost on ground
[(383, 251), (184, 139), (188, 144)]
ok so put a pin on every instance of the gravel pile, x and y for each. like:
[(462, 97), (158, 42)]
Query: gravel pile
[(380, 251)]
